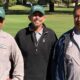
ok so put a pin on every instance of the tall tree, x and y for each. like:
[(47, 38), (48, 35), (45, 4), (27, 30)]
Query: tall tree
[(24, 2), (67, 2), (76, 2), (5, 4), (42, 2), (51, 5), (1, 3), (50, 2), (19, 1)]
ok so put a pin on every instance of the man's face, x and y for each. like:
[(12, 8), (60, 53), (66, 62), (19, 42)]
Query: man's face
[(77, 19), (37, 19)]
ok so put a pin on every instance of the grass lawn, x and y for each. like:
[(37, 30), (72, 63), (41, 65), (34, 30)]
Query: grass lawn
[(58, 22), (19, 7)]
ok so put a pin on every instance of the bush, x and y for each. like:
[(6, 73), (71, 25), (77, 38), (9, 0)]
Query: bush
[(12, 2), (1, 3)]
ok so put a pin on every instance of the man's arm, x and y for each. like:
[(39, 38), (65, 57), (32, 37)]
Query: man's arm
[(18, 63)]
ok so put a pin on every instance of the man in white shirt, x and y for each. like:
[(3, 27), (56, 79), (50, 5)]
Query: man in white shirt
[(11, 60)]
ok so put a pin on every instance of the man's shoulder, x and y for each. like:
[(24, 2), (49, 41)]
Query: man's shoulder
[(65, 37), (67, 33), (7, 37), (6, 34), (50, 31), (22, 31)]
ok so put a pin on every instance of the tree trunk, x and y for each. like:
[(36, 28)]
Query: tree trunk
[(42, 2), (6, 5), (24, 2), (19, 2), (76, 2), (68, 4), (51, 6)]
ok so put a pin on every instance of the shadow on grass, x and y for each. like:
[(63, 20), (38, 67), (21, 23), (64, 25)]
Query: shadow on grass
[(17, 12), (47, 12), (59, 12)]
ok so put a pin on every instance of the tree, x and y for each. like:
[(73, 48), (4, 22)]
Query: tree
[(51, 5), (1, 3), (76, 2), (5, 4), (58, 2), (67, 2), (24, 2), (19, 2), (42, 2), (50, 2)]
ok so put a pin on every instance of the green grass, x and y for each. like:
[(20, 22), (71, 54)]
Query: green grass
[(18, 7), (60, 23), (13, 23), (56, 8)]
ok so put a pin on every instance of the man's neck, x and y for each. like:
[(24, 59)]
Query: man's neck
[(39, 29), (77, 31)]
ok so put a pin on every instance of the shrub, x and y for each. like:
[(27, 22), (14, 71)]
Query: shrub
[(12, 2)]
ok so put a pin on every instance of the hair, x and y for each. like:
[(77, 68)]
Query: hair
[(76, 8), (1, 20)]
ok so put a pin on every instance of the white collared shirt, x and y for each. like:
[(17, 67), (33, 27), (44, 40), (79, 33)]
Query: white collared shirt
[(39, 34), (77, 38)]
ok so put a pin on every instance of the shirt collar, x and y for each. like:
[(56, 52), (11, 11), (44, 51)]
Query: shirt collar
[(75, 31), (31, 28), (40, 32)]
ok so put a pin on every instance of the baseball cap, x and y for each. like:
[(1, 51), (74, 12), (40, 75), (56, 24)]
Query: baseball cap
[(37, 8), (2, 12)]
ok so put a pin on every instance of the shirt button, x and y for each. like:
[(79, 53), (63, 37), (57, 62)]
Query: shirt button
[(36, 50)]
